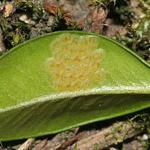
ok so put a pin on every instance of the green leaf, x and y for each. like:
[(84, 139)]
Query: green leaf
[(67, 79)]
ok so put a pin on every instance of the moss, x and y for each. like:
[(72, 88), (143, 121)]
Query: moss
[(17, 31), (121, 11)]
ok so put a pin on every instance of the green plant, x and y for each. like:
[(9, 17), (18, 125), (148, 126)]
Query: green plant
[(67, 79)]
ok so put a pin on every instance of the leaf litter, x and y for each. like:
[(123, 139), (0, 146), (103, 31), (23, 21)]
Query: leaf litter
[(22, 20)]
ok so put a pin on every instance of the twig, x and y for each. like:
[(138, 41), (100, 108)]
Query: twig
[(2, 46), (112, 135), (27, 144), (70, 142), (41, 144)]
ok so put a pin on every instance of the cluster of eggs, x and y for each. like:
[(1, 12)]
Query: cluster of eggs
[(75, 63)]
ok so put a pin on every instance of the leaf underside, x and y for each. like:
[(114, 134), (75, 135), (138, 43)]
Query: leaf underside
[(67, 79)]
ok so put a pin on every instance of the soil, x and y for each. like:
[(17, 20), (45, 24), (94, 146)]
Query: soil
[(125, 21)]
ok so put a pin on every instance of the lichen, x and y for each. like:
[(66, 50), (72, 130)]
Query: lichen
[(75, 63)]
